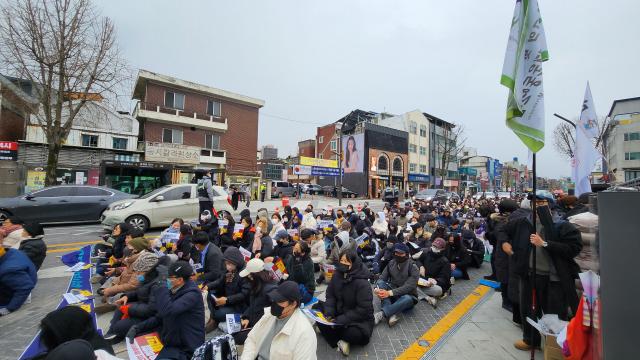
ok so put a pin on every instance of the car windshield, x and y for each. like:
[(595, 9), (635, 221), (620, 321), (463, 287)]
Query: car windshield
[(154, 192), (428, 192)]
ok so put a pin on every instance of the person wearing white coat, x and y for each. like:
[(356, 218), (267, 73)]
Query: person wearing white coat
[(283, 332)]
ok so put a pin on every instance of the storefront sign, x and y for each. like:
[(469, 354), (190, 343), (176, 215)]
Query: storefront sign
[(143, 164), (318, 162), (301, 170), (468, 171), (35, 180), (383, 177), (171, 153), (419, 178), (324, 171), (8, 150), (451, 183)]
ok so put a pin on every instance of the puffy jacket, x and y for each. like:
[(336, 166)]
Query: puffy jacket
[(318, 252), (142, 301), (257, 302), (179, 316), (18, 277), (127, 280), (459, 256), (237, 291), (35, 249), (436, 267), (300, 270), (266, 247), (348, 244), (402, 279), (349, 298)]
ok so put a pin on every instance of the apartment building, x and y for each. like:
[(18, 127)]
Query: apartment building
[(622, 141)]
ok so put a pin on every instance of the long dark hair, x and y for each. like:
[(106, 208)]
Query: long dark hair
[(347, 153), (259, 279)]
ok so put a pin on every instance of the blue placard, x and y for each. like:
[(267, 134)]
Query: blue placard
[(324, 171), (419, 178)]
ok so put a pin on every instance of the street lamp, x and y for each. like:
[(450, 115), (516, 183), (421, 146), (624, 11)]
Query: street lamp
[(339, 133)]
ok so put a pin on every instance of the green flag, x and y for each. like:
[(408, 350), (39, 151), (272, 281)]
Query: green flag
[(522, 74)]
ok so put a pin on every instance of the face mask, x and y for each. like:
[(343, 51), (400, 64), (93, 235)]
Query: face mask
[(362, 217), (276, 310), (324, 212), (400, 259), (342, 268), (285, 219), (339, 216), (274, 221), (435, 250), (169, 285), (204, 218), (386, 211), (389, 245), (349, 211), (140, 278)]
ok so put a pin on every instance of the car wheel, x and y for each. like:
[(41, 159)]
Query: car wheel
[(4, 215), (138, 222)]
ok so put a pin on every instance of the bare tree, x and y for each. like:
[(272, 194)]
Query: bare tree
[(564, 139), (449, 148), (67, 51)]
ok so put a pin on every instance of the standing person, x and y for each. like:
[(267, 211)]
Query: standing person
[(235, 194), (503, 251), (205, 192), (32, 244), (556, 245), (349, 302), (180, 313), (263, 191), (18, 276), (246, 190), (284, 332), (397, 286)]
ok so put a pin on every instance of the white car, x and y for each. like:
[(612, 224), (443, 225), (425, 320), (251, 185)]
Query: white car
[(159, 207)]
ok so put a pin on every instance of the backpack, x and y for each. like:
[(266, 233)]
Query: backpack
[(221, 347), (202, 190)]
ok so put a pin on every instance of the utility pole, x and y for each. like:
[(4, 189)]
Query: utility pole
[(339, 131)]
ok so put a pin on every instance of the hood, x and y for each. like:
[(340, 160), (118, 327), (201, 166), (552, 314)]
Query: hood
[(344, 238), (359, 271), (520, 213), (233, 254), (65, 324)]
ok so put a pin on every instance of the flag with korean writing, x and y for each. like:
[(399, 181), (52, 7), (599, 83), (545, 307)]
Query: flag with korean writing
[(585, 153), (522, 74)]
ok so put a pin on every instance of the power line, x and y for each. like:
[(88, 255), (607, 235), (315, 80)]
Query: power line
[(292, 120)]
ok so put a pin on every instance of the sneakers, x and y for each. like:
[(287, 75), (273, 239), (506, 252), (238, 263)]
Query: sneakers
[(343, 347), (377, 317), (491, 277), (104, 308), (521, 345), (432, 301), (111, 338), (210, 326), (393, 320)]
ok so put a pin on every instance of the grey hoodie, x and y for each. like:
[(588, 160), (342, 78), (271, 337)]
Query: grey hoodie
[(347, 244)]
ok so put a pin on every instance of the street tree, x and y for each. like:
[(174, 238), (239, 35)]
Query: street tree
[(564, 139), (448, 148), (67, 51)]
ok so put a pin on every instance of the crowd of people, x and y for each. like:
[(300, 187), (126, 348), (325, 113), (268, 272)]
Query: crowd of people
[(376, 265)]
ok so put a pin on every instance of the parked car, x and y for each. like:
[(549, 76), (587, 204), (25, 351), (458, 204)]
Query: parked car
[(62, 204), (283, 188), (431, 195), (312, 189), (159, 207), (391, 194), (452, 196), (129, 187)]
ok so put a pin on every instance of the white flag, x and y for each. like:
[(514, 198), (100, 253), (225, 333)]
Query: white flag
[(585, 154), (522, 74)]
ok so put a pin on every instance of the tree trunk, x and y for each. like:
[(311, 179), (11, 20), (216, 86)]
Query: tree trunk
[(52, 163)]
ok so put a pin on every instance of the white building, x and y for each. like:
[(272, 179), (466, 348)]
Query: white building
[(622, 140)]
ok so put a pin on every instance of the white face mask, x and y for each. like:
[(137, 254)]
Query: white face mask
[(435, 250), (275, 221), (204, 218)]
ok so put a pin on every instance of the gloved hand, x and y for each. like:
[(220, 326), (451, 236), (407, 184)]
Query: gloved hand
[(131, 334), (4, 311)]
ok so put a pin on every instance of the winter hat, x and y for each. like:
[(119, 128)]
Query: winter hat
[(468, 234), (439, 243), (401, 247), (232, 254), (74, 349), (139, 243), (342, 238), (507, 206), (307, 233), (245, 213), (145, 262), (525, 204), (281, 234), (34, 229)]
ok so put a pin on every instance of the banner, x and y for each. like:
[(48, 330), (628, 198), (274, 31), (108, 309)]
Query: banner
[(325, 171), (522, 74), (353, 153), (309, 161), (585, 154), (144, 347), (79, 286)]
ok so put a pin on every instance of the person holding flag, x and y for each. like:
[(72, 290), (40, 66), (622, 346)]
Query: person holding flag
[(585, 154)]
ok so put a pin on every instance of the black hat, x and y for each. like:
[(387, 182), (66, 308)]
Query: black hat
[(430, 218), (287, 291), (468, 234), (180, 269), (34, 229), (416, 226), (307, 233)]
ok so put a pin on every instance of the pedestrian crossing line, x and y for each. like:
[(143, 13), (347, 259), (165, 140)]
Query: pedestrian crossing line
[(63, 250), (430, 338), (74, 243)]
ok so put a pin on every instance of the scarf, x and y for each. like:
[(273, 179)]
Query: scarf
[(257, 242)]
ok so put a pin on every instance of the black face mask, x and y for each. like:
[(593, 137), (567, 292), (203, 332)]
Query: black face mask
[(276, 310), (400, 259), (342, 268)]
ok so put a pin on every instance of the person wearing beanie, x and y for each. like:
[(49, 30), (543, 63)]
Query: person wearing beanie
[(284, 245), (284, 332), (435, 268), (18, 276), (397, 286), (228, 294), (33, 244), (180, 316), (419, 237), (475, 248)]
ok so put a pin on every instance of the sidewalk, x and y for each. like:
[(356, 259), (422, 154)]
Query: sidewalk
[(488, 334)]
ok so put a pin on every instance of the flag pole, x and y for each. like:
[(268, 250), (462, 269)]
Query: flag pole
[(533, 275)]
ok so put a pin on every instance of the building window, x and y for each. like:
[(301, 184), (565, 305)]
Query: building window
[(423, 150), (632, 155), (412, 148), (172, 136), (631, 175), (397, 165), (320, 139), (120, 143), (89, 140), (423, 168), (212, 141), (383, 163), (412, 167), (214, 108), (413, 127), (632, 136), (423, 130), (174, 100), (333, 145)]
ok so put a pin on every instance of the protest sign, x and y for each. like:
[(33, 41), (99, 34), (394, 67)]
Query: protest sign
[(144, 347), (317, 316), (328, 270), (233, 323)]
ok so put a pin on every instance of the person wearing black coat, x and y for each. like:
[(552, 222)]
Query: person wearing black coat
[(349, 303), (211, 266), (434, 265), (183, 248), (556, 246), (229, 294), (209, 224), (261, 284), (458, 256), (300, 269), (32, 245), (226, 233), (284, 247), (179, 317), (119, 240), (475, 248), (248, 232)]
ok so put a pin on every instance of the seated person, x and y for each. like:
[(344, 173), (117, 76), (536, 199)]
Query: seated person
[(183, 247), (228, 294), (317, 249), (284, 245), (11, 232), (211, 266), (435, 268), (169, 235), (475, 248), (180, 313), (349, 302), (458, 256), (261, 284), (397, 285), (32, 244), (226, 233), (455, 227), (17, 278), (419, 237), (262, 246), (248, 232), (284, 332), (209, 224), (300, 269)]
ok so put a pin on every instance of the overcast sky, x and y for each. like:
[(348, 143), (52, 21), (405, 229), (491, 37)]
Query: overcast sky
[(314, 62)]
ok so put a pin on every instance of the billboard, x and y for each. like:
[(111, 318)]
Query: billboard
[(353, 153), (309, 161)]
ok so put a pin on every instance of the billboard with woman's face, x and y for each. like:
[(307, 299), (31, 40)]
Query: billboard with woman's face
[(353, 153)]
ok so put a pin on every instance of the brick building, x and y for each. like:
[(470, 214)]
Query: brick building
[(196, 127), (307, 148)]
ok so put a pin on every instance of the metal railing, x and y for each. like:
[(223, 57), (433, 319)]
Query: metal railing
[(178, 112)]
